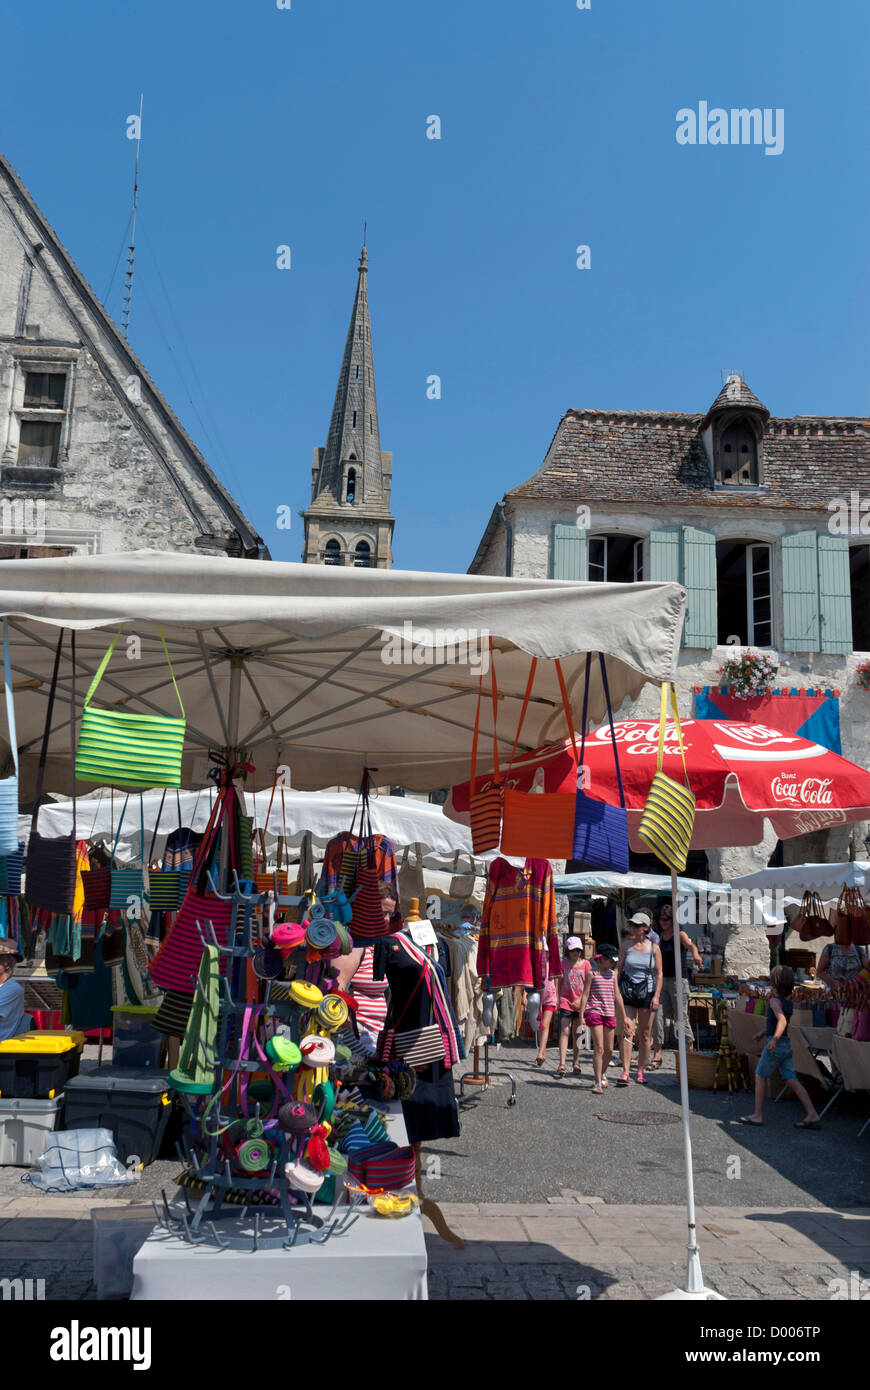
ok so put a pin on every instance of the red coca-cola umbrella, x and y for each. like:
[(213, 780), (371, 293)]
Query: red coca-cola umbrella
[(741, 775)]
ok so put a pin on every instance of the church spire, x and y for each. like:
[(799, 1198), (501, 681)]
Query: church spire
[(351, 477)]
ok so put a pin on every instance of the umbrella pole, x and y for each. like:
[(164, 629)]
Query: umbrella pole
[(694, 1288)]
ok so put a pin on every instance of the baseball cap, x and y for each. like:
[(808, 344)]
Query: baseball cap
[(8, 947), (574, 943), (641, 919), (606, 949)]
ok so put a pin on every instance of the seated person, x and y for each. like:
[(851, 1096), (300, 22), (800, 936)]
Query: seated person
[(13, 1019)]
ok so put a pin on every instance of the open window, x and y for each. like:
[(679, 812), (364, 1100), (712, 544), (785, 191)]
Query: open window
[(362, 556), (744, 593), (615, 559), (332, 553), (859, 587)]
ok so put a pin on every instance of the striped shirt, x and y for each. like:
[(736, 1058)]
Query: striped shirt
[(601, 994), (369, 994)]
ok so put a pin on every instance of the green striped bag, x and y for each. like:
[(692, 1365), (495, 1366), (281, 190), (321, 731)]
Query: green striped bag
[(669, 814), (121, 749)]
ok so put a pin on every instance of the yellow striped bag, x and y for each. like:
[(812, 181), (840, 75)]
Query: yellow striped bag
[(120, 749), (669, 814)]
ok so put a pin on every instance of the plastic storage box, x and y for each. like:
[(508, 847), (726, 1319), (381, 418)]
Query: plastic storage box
[(37, 1065), (135, 1042), (24, 1129), (134, 1105)]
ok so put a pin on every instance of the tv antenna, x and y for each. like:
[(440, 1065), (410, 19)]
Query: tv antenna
[(131, 249)]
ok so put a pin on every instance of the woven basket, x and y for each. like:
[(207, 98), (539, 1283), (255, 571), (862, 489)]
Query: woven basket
[(700, 1070)]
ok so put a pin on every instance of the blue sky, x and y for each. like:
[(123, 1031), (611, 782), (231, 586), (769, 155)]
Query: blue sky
[(265, 127)]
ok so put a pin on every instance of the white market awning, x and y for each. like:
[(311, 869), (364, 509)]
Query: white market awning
[(320, 667)]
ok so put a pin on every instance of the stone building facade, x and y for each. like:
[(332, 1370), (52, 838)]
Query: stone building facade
[(349, 521), (92, 458), (760, 519)]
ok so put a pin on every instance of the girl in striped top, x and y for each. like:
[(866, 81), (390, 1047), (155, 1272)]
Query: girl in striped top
[(602, 1004)]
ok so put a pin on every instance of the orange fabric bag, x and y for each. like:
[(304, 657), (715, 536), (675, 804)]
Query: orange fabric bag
[(540, 825)]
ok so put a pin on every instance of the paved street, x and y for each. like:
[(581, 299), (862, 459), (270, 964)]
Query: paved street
[(555, 1202)]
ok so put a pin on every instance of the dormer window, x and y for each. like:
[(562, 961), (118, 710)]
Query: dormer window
[(736, 454)]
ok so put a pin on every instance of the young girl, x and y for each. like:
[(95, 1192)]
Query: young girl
[(574, 976), (777, 1055), (602, 1003)]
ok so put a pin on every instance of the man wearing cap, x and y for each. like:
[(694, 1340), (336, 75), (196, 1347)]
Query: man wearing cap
[(13, 1019)]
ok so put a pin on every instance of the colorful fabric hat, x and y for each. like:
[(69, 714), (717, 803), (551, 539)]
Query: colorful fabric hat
[(317, 1051), (305, 995), (297, 1117)]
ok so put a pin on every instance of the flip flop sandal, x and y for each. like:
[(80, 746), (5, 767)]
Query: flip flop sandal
[(640, 1079), (653, 1066), (748, 1120), (807, 1124), (622, 1080), (576, 1071), (598, 1090), (539, 1061), (560, 1071)]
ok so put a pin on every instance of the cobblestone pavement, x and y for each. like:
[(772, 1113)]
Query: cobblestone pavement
[(573, 1248)]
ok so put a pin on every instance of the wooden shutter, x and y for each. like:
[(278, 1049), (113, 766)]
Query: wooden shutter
[(567, 551), (800, 592), (664, 554), (699, 578), (835, 594)]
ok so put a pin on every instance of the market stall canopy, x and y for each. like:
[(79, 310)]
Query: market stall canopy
[(768, 910), (403, 819), (797, 879), (327, 669)]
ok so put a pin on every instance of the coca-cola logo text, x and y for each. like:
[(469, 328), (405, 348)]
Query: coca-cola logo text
[(809, 791)]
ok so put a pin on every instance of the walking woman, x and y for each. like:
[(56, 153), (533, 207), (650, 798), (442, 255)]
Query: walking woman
[(668, 1005), (640, 984)]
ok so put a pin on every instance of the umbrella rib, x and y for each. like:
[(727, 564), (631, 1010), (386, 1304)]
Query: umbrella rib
[(251, 734), (214, 690), (260, 700)]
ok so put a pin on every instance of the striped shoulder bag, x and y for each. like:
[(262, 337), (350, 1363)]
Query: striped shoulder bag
[(669, 813)]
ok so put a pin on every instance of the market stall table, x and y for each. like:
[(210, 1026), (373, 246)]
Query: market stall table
[(378, 1259)]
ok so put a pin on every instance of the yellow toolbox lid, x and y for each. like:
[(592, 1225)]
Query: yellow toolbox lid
[(39, 1042)]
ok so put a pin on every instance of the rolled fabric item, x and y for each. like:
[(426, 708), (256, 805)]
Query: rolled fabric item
[(317, 1051), (254, 1155), (287, 936), (302, 1177), (355, 1140), (324, 1102), (332, 1012), (306, 995), (337, 1162), (320, 933), (267, 963), (283, 1052), (296, 1117)]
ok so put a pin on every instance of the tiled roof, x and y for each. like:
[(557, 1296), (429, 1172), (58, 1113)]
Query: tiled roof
[(658, 457)]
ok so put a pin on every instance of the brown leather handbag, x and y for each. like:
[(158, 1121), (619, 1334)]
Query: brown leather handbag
[(811, 922)]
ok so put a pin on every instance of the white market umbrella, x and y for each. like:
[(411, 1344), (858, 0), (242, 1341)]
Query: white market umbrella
[(329, 670)]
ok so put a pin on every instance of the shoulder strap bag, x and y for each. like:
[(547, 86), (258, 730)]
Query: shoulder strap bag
[(51, 863), (9, 785), (600, 830), (540, 825), (668, 817), (123, 749)]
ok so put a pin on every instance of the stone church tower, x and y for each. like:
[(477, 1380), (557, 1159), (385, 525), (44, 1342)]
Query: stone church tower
[(349, 520)]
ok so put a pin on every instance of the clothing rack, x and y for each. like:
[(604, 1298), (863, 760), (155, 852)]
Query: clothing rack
[(482, 1080)]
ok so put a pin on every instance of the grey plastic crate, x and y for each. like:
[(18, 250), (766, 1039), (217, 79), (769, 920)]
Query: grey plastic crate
[(24, 1129)]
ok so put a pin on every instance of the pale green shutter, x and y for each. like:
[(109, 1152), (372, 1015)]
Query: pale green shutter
[(699, 578), (568, 551), (835, 594), (664, 554), (800, 592)]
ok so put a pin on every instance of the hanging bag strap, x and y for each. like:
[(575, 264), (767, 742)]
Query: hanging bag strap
[(565, 705), (10, 704), (118, 831), (666, 687), (609, 716), (101, 669), (40, 772), (494, 723), (156, 827)]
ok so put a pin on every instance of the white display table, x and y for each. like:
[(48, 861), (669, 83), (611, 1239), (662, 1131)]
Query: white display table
[(377, 1259)]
